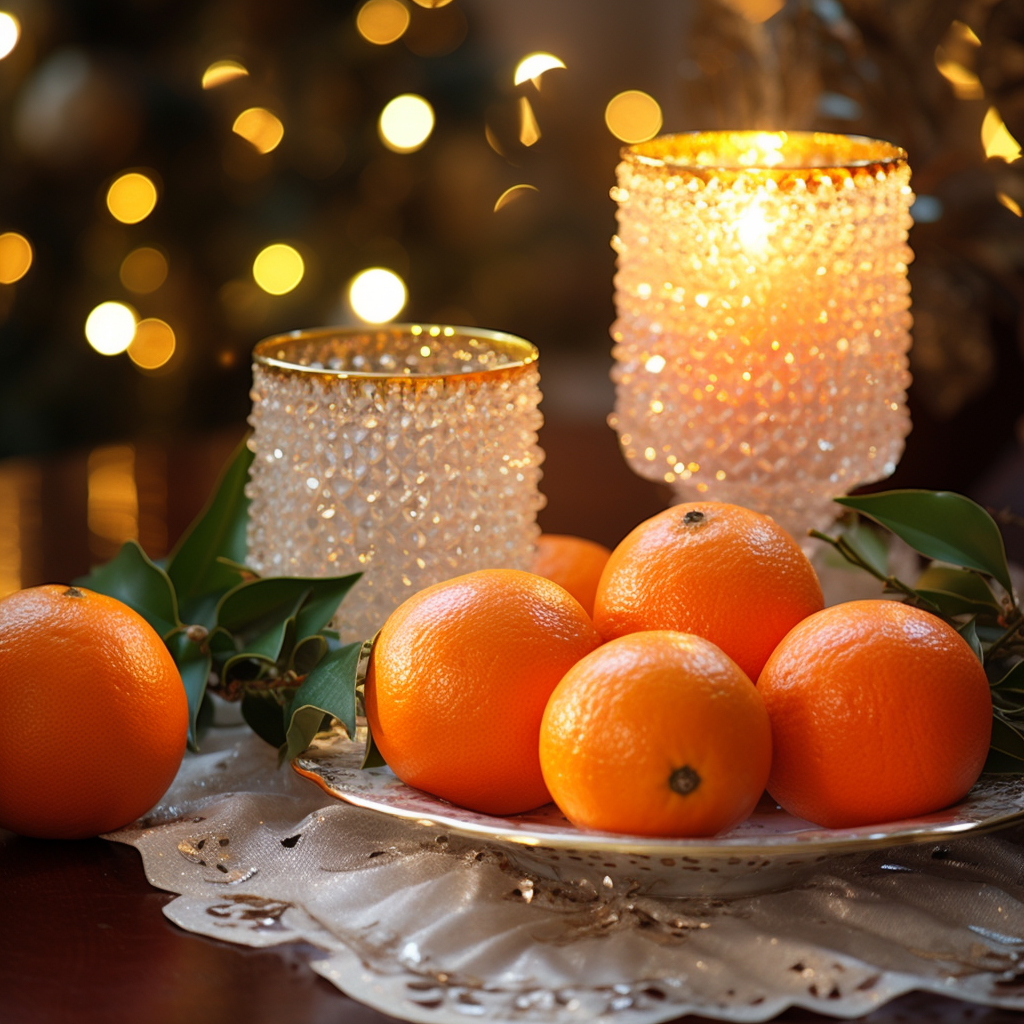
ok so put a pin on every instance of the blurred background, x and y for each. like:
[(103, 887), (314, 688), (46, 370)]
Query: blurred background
[(179, 180)]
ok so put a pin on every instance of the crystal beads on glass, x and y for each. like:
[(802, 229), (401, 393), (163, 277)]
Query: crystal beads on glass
[(762, 316), (407, 453)]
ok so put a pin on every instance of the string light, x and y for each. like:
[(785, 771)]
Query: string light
[(152, 345), (110, 327), (533, 65), (406, 123), (15, 257), (221, 72), (10, 33), (278, 268), (633, 116), (382, 21), (260, 127), (377, 295), (132, 197), (143, 270)]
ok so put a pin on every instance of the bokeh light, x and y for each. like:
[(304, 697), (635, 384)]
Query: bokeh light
[(132, 197), (382, 21), (431, 4), (259, 127), (529, 130), (406, 123), (633, 116), (1010, 203), (996, 138), (221, 72), (153, 344), (278, 268), (15, 257), (143, 270), (512, 194), (110, 327), (10, 33), (377, 295), (532, 66), (757, 11)]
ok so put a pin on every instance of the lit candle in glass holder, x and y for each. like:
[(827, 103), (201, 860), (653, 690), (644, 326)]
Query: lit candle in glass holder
[(763, 317), (407, 453)]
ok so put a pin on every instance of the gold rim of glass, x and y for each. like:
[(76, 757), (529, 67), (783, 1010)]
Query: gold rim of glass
[(735, 152), (277, 352)]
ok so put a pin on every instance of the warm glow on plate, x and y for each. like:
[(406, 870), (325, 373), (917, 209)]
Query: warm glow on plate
[(10, 33), (223, 71), (143, 270), (382, 21), (110, 327), (132, 197), (278, 268), (534, 65), (15, 257), (377, 295), (406, 123), (153, 344), (259, 127), (996, 138), (633, 116)]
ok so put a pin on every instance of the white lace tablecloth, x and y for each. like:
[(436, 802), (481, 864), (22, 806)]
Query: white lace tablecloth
[(433, 927)]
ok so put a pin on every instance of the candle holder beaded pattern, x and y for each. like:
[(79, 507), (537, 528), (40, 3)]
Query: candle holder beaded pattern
[(407, 453), (762, 317)]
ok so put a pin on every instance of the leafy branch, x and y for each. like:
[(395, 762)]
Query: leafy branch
[(263, 641), (966, 582)]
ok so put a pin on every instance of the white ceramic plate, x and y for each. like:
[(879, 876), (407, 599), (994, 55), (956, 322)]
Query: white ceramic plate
[(769, 833)]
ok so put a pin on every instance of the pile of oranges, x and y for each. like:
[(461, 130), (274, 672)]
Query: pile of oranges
[(659, 689)]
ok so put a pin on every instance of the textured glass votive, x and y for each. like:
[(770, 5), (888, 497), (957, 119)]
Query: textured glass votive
[(763, 316), (408, 453)]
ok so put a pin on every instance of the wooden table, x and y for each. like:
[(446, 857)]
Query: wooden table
[(82, 936)]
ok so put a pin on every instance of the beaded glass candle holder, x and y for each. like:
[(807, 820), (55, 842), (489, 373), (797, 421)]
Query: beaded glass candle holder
[(408, 453), (763, 316)]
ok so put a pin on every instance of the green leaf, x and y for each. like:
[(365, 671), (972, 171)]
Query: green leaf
[(1000, 763), (265, 716), (307, 654), (373, 757), (868, 545), (194, 663), (260, 613), (218, 532), (132, 577), (330, 689), (325, 595), (941, 525), (968, 631), (1007, 739), (957, 591), (1013, 681)]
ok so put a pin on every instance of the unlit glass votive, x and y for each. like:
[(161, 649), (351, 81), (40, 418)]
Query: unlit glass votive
[(407, 452), (763, 316)]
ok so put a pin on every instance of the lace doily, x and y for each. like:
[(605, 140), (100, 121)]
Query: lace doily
[(433, 927)]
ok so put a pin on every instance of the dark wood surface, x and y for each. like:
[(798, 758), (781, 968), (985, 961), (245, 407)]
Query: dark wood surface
[(82, 936)]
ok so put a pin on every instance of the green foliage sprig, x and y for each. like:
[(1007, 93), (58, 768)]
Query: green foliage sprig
[(966, 582), (263, 641)]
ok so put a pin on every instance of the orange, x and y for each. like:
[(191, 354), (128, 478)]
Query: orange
[(458, 680), (656, 734), (573, 563), (93, 713), (879, 711), (730, 575)]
